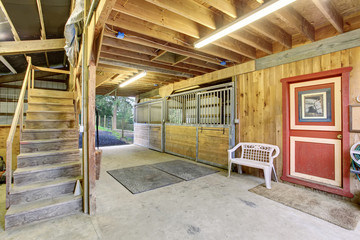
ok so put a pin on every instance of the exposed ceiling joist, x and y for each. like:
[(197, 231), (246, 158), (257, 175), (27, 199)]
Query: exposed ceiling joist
[(7, 64), (148, 63), (252, 40), (236, 46), (42, 30), (157, 15), (290, 16), (226, 6), (31, 46), (125, 22), (273, 31), (21, 76), (147, 68), (13, 29), (189, 9), (329, 11)]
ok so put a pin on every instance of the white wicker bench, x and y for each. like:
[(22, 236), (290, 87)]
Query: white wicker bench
[(256, 155)]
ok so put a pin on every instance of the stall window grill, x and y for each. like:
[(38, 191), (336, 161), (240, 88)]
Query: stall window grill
[(142, 113), (205, 107)]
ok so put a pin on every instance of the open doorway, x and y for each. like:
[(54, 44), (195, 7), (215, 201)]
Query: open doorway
[(115, 120)]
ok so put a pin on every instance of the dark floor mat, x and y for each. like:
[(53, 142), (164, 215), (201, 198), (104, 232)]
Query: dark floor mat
[(184, 170), (143, 178)]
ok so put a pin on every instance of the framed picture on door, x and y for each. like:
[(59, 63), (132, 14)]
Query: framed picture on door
[(315, 105)]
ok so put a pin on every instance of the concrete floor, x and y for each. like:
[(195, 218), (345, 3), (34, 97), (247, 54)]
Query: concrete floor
[(211, 207)]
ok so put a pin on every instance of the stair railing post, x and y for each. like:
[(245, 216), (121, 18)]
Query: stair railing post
[(32, 77)]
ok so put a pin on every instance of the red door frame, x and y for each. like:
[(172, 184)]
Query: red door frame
[(345, 77)]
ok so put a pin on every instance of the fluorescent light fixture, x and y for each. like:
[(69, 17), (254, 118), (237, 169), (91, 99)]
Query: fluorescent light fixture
[(241, 22), (133, 79)]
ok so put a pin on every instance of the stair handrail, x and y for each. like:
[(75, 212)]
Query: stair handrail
[(18, 115)]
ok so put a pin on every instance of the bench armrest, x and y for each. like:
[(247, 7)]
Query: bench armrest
[(234, 148)]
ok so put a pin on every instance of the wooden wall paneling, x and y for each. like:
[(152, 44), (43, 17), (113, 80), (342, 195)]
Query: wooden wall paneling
[(181, 140), (353, 56), (278, 71), (4, 133), (155, 137), (213, 145), (141, 134)]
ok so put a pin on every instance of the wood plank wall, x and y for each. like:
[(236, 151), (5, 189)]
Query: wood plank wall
[(260, 99), (4, 132), (141, 134), (155, 137), (181, 140), (213, 145)]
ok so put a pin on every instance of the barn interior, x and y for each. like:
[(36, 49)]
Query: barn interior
[(206, 76)]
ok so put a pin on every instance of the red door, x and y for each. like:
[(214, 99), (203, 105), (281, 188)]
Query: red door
[(316, 137)]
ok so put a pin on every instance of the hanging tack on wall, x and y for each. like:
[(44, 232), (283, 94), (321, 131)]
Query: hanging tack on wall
[(358, 99)]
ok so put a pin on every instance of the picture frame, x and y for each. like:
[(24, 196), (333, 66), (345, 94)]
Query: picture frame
[(354, 111), (315, 105)]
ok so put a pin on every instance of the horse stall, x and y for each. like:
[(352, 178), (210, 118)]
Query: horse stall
[(197, 124)]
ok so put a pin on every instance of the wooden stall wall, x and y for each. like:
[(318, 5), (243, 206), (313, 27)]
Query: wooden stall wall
[(141, 134), (180, 140), (155, 137), (213, 145), (260, 99), (4, 133)]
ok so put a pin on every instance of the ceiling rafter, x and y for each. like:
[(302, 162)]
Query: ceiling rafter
[(148, 63), (226, 6), (128, 23), (42, 30), (331, 14), (7, 64), (290, 16), (189, 9)]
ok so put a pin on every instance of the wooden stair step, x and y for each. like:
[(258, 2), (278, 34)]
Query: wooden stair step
[(30, 146), (45, 106), (49, 124), (50, 115), (42, 190), (18, 215), (35, 99), (34, 174), (50, 93), (30, 134)]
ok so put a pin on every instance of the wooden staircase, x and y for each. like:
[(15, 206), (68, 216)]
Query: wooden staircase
[(48, 166)]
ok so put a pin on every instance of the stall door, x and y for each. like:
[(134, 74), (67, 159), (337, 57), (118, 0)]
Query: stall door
[(315, 123)]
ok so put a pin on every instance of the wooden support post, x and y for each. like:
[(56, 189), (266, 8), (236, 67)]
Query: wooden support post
[(91, 131), (114, 115)]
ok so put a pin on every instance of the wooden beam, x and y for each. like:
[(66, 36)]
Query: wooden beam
[(126, 22), (102, 13), (53, 70), (103, 79), (200, 63), (147, 63), (147, 68), (272, 31), (189, 9), (236, 46), (325, 46), (291, 17), (117, 43), (331, 14), (157, 15), (211, 77), (21, 76), (7, 64), (226, 6), (169, 47), (31, 46), (13, 29), (149, 94), (42, 30), (246, 37)]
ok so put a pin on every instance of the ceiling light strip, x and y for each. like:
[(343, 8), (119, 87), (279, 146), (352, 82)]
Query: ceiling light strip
[(241, 22), (133, 79)]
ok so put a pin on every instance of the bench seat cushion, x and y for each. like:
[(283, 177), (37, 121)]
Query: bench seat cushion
[(250, 163)]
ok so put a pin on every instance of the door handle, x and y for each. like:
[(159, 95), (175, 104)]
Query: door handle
[(339, 136)]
